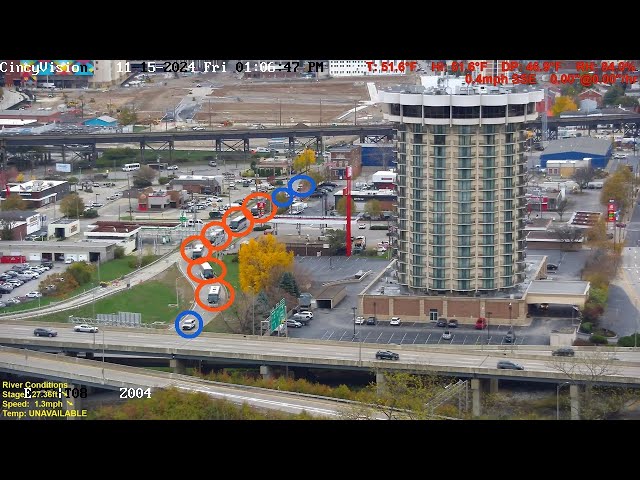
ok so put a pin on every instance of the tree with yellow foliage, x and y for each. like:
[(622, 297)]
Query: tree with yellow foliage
[(257, 260), (304, 161), (20, 177), (619, 187), (563, 104)]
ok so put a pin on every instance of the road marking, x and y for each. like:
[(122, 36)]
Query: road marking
[(365, 338), (379, 338), (329, 337), (427, 340), (465, 339), (342, 336), (390, 338), (414, 340), (402, 341)]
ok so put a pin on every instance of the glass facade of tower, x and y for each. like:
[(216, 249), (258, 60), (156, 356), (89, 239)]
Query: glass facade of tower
[(461, 193)]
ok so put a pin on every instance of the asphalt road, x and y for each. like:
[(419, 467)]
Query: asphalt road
[(235, 345)]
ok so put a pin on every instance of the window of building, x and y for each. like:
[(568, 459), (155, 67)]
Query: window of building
[(487, 250), (437, 112), (412, 111), (417, 171), (507, 182), (508, 226), (516, 110), (489, 185), (439, 273), (507, 193), (508, 204), (440, 206), (416, 183), (439, 184), (439, 284), (464, 263), (464, 196), (487, 262), (394, 109), (465, 129), (464, 208), (439, 152), (439, 251), (488, 218), (489, 151), (464, 218), (488, 228), (464, 173), (439, 218), (464, 162), (490, 140), (508, 248), (439, 139), (464, 185), (416, 128), (438, 229), (464, 252), (465, 141), (488, 196), (487, 283), (439, 196), (494, 111), (440, 173), (438, 262), (417, 271), (418, 238), (508, 238), (507, 270), (417, 259), (464, 229), (464, 273), (488, 240), (464, 285), (466, 112), (439, 239), (464, 241), (417, 161), (488, 272), (489, 162)]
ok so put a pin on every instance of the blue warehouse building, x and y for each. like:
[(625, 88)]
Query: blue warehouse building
[(103, 121), (599, 150)]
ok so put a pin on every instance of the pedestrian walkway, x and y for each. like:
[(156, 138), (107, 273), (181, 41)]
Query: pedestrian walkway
[(10, 98)]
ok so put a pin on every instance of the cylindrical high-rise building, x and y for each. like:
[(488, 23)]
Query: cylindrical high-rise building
[(461, 192)]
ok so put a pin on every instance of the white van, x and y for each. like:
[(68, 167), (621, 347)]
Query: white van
[(193, 222)]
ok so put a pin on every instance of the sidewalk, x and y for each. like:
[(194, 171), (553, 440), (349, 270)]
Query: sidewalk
[(10, 98)]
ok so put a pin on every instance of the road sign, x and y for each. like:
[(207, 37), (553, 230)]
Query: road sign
[(278, 315), (183, 219)]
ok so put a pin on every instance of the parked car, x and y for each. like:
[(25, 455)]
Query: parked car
[(33, 295), (481, 323), (387, 355), (372, 321), (563, 352), (510, 337), (68, 261), (359, 320), (45, 332), (446, 335), (305, 313), (452, 323), (172, 167), (552, 266), (509, 365), (362, 226), (394, 321), (85, 328), (442, 322), (293, 323)]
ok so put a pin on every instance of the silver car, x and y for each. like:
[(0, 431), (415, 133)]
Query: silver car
[(85, 328)]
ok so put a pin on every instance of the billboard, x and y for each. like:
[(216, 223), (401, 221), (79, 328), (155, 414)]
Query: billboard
[(63, 167)]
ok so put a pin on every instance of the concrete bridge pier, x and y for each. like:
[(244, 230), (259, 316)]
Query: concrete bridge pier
[(72, 403), (475, 397), (266, 371), (574, 393), (380, 381), (493, 385), (178, 366)]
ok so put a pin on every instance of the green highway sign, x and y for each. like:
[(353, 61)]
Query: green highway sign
[(183, 219), (278, 315)]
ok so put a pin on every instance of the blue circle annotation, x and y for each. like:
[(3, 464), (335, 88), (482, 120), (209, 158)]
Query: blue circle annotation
[(183, 314), (291, 193)]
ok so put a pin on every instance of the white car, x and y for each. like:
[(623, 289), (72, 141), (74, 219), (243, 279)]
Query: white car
[(172, 167), (85, 328), (304, 314), (68, 261), (33, 295), (394, 321), (446, 335), (198, 128), (362, 226), (359, 320)]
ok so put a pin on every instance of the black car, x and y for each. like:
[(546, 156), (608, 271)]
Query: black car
[(563, 352), (372, 321), (452, 324), (45, 332), (328, 184), (552, 266), (442, 322), (387, 355), (509, 365)]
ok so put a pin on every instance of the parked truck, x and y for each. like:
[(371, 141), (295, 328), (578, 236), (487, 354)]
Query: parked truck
[(297, 208), (595, 184)]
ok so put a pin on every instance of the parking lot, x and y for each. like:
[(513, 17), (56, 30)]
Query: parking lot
[(19, 292), (425, 333)]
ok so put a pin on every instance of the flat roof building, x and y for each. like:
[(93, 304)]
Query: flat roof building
[(38, 193), (578, 148)]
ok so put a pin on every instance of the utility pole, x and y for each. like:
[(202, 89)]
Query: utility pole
[(129, 188)]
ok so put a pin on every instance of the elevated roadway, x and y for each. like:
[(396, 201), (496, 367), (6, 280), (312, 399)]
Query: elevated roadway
[(113, 377), (458, 361)]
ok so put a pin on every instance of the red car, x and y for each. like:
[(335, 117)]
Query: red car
[(481, 323)]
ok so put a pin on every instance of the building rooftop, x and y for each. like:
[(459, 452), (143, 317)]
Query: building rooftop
[(15, 215), (27, 113), (132, 225), (34, 185), (587, 145), (558, 287), (442, 85), (63, 221)]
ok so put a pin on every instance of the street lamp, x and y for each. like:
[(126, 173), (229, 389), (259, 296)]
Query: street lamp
[(374, 311), (510, 321), (354, 321), (488, 324), (558, 398)]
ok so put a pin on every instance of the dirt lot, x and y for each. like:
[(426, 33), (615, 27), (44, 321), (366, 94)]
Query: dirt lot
[(240, 100)]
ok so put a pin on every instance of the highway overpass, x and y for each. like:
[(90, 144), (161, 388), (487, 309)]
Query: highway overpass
[(459, 361), (90, 373)]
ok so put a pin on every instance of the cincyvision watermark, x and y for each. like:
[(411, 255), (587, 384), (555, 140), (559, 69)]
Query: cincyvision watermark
[(48, 67)]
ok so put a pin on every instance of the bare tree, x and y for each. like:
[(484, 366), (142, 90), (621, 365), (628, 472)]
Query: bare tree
[(403, 396), (588, 369), (238, 318), (561, 207), (583, 176), (568, 235)]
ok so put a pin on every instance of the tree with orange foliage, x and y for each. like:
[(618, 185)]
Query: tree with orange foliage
[(563, 104)]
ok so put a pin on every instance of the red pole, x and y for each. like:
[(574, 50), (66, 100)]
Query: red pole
[(348, 189)]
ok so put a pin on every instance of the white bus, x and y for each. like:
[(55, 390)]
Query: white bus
[(207, 271), (129, 167), (239, 223), (214, 295), (197, 251), (217, 236)]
